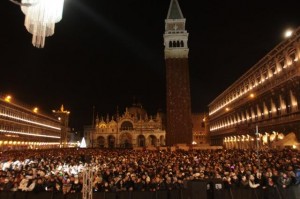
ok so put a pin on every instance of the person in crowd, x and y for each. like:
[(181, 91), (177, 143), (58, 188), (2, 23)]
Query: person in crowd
[(252, 183), (8, 184), (297, 176), (235, 183), (271, 190), (106, 187), (50, 182), (98, 184), (40, 186), (31, 184), (244, 183), (76, 186), (138, 184), (128, 183), (284, 181)]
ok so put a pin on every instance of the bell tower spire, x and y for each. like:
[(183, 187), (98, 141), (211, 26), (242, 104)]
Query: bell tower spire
[(176, 36)]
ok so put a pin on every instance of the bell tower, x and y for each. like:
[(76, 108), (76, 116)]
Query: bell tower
[(179, 122)]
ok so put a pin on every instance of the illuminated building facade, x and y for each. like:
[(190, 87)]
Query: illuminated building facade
[(63, 117), (262, 106), (178, 106), (134, 128), (200, 130), (25, 128)]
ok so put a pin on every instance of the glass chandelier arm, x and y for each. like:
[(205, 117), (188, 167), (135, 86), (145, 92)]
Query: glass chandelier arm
[(22, 4)]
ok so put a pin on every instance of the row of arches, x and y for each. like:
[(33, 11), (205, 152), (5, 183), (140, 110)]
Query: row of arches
[(27, 118), (261, 141), (278, 65), (282, 104), (176, 44), (126, 140)]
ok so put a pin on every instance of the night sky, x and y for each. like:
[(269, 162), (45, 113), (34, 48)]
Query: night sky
[(109, 54)]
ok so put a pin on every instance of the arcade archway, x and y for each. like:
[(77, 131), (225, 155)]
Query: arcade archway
[(100, 142), (152, 140), (126, 140), (141, 141), (111, 142)]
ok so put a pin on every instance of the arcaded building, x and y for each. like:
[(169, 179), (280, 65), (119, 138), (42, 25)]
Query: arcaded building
[(133, 128), (261, 108), (22, 127)]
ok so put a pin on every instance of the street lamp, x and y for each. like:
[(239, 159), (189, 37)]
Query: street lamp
[(35, 109), (8, 98), (288, 33), (40, 18)]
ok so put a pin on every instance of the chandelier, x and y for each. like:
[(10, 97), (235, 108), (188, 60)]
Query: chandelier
[(40, 18)]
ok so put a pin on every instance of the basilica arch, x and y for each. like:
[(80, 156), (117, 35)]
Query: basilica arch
[(141, 141), (111, 140), (126, 126), (162, 140), (152, 140), (126, 140), (100, 142)]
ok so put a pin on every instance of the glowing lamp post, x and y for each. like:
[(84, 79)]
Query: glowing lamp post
[(288, 33), (8, 98), (40, 18)]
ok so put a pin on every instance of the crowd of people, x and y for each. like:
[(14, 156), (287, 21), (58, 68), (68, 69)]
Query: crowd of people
[(113, 170)]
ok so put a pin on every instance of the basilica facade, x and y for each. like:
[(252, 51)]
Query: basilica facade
[(133, 128)]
